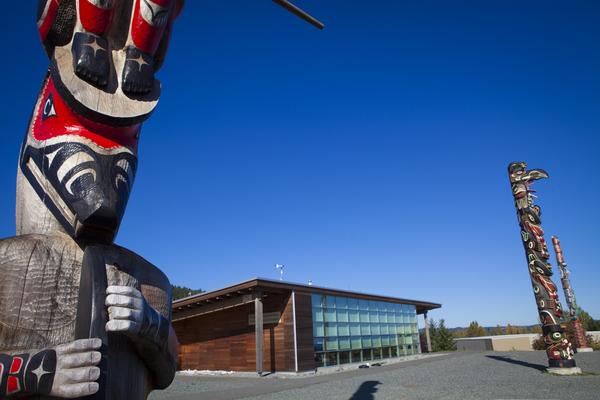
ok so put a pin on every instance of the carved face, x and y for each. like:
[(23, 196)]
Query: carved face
[(81, 171)]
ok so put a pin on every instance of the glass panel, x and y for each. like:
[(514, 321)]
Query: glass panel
[(399, 328), (382, 316), (317, 314), (352, 303), (377, 354), (397, 308), (393, 340), (376, 340), (331, 329), (355, 342), (344, 343), (375, 329), (363, 304), (386, 352), (391, 317), (366, 341), (318, 329), (385, 340), (373, 305), (393, 351), (385, 329), (373, 316), (341, 302), (330, 301), (342, 315), (331, 344), (356, 356), (364, 316), (353, 316), (319, 360), (344, 357), (355, 329), (367, 356), (365, 329), (317, 300), (331, 358), (329, 315), (319, 344), (343, 330)]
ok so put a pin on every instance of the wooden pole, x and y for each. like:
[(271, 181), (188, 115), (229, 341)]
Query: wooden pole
[(427, 337), (300, 13), (580, 339), (258, 329), (295, 337)]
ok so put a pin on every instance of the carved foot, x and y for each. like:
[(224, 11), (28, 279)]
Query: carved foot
[(138, 73), (90, 58)]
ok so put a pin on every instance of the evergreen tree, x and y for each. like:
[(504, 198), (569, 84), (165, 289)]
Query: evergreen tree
[(179, 292), (497, 331), (474, 330), (441, 338), (589, 324)]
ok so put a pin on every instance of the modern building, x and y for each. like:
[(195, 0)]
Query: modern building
[(266, 325)]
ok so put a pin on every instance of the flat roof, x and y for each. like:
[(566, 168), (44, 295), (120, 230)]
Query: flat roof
[(270, 285)]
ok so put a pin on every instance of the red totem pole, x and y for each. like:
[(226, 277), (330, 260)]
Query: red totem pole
[(580, 339), (558, 348), (79, 315)]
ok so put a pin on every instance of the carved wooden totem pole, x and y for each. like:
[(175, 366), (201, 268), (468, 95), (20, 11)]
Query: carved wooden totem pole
[(80, 315), (558, 348), (580, 339)]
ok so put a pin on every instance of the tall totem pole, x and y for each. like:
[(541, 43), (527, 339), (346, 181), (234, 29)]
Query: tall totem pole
[(81, 317), (558, 348), (580, 339)]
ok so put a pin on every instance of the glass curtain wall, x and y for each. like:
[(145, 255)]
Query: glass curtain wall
[(347, 329)]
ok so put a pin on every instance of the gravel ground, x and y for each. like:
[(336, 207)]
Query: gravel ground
[(460, 376)]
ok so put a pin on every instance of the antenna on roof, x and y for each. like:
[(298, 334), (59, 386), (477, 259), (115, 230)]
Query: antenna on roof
[(300, 13), (280, 268)]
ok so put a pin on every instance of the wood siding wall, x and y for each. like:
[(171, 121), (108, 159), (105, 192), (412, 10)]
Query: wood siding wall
[(224, 340)]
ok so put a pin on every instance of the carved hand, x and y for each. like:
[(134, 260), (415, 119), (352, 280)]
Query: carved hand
[(129, 313), (76, 369)]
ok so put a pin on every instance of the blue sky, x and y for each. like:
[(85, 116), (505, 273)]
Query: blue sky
[(370, 156)]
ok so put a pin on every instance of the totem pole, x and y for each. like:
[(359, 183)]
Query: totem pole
[(79, 315), (558, 348), (580, 339)]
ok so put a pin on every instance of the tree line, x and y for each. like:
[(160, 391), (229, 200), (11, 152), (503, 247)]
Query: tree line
[(442, 337)]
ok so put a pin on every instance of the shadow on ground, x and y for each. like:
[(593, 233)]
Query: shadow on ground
[(539, 367), (366, 391)]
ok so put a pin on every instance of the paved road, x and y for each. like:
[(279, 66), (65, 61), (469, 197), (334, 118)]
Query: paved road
[(456, 376)]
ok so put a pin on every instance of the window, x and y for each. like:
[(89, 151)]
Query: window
[(344, 357), (331, 344), (318, 329), (347, 329), (342, 315), (343, 329), (344, 343)]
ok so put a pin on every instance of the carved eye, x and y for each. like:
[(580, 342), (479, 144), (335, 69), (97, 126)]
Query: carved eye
[(48, 110), (81, 181)]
